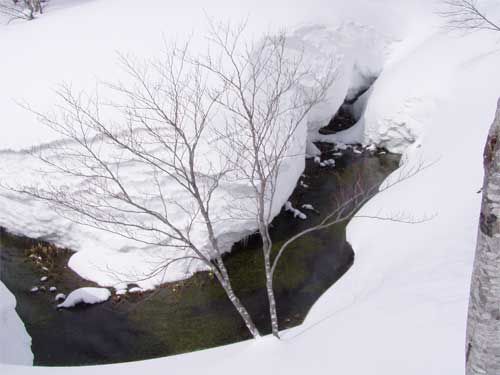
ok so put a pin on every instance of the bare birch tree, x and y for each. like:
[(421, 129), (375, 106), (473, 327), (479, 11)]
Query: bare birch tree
[(269, 89), (267, 93), (165, 112), (245, 102)]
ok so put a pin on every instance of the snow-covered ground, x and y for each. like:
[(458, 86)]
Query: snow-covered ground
[(15, 343), (401, 309), (107, 259)]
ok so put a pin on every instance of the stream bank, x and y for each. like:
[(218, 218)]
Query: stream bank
[(195, 313)]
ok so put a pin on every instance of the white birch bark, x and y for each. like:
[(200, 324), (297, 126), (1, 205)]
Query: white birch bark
[(483, 326)]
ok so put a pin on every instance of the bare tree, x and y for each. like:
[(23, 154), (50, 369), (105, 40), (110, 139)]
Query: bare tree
[(21, 9), (192, 124), (466, 15), (165, 115), (267, 93)]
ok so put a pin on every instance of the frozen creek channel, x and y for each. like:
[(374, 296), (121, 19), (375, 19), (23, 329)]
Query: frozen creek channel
[(195, 313)]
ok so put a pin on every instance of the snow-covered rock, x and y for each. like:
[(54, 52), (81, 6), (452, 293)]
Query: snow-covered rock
[(371, 148), (327, 163), (60, 297), (309, 207), (295, 212), (87, 296)]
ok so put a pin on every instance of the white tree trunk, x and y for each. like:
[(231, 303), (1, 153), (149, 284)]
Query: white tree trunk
[(483, 325), (273, 313), (228, 288)]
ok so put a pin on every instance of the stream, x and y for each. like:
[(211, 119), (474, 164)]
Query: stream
[(192, 314)]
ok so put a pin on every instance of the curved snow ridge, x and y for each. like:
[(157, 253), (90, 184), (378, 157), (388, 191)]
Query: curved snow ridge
[(112, 261), (87, 295), (410, 283), (15, 343), (360, 52)]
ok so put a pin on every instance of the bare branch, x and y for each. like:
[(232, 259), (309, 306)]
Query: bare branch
[(466, 15)]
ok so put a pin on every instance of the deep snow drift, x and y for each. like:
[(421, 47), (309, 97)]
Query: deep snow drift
[(89, 57), (360, 50), (14, 341), (401, 309)]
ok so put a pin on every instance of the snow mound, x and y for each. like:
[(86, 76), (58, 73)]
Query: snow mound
[(15, 343), (88, 296), (60, 297), (295, 212), (343, 45)]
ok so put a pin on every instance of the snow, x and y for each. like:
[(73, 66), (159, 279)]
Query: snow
[(15, 343), (60, 297), (89, 57), (401, 309), (328, 163), (371, 148), (295, 212), (104, 258), (86, 295)]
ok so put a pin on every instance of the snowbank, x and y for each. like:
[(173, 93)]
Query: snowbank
[(88, 56), (15, 342), (70, 51), (89, 296)]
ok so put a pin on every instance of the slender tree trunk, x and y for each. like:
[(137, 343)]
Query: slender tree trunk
[(226, 284), (483, 325), (270, 296), (223, 276), (267, 245)]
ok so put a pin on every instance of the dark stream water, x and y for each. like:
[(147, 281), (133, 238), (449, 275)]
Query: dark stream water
[(193, 314)]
